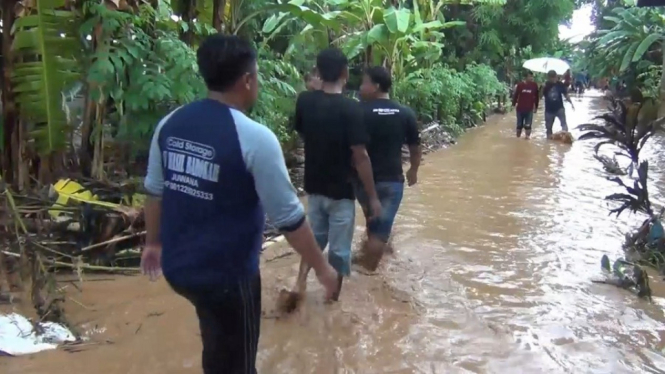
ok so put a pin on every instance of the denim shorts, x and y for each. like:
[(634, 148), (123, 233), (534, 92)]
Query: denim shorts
[(333, 223), (390, 195)]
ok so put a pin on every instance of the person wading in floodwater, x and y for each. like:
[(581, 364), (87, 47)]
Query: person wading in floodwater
[(332, 128), (389, 126), (554, 93), (212, 171), (525, 101)]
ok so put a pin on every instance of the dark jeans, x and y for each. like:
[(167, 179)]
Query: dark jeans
[(230, 321), (524, 120), (390, 195)]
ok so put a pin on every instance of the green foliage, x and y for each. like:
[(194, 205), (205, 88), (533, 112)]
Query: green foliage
[(456, 99), (46, 44), (132, 66), (628, 44), (650, 81), (279, 82), (634, 32), (144, 75)]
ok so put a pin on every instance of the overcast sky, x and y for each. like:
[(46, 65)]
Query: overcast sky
[(581, 25)]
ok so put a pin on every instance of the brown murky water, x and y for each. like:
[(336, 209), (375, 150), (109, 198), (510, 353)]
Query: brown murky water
[(495, 250)]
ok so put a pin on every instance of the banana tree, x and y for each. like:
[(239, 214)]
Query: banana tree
[(45, 47), (634, 33), (637, 33), (319, 23), (403, 40)]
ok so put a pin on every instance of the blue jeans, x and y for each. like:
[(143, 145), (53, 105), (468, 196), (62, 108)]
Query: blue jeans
[(333, 222), (390, 195), (524, 120), (550, 117)]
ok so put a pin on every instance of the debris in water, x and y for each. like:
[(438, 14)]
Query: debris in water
[(563, 137), (18, 336), (288, 301), (626, 275)]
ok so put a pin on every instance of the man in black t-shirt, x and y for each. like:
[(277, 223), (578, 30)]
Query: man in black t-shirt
[(389, 126), (332, 128), (554, 93)]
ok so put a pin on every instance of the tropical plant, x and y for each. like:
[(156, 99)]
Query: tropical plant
[(634, 33), (636, 198), (46, 48), (622, 128)]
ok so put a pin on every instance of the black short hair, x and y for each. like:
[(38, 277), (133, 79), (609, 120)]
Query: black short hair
[(331, 64), (528, 73), (223, 59), (381, 76), (551, 74)]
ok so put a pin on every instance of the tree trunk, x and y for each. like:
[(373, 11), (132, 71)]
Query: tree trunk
[(188, 15), (218, 8), (9, 112)]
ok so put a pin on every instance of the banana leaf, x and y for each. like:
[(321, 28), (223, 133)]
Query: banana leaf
[(46, 44)]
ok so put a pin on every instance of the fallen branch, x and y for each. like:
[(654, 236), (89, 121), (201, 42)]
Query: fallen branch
[(113, 240), (84, 266)]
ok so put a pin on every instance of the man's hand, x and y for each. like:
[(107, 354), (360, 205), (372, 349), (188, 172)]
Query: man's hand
[(375, 208), (151, 261), (412, 177), (535, 110), (328, 278)]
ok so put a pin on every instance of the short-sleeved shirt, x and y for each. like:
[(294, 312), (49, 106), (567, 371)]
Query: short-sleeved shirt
[(554, 94), (330, 124), (389, 126), (218, 173)]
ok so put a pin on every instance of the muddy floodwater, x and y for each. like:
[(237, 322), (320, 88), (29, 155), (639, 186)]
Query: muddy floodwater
[(495, 250)]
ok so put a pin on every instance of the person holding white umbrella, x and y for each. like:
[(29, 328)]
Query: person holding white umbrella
[(554, 92)]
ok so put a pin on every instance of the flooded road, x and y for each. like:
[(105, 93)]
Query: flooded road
[(494, 252)]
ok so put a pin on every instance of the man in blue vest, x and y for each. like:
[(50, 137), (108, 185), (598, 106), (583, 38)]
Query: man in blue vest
[(213, 174)]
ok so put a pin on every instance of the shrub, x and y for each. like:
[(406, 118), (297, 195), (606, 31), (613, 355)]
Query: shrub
[(454, 98)]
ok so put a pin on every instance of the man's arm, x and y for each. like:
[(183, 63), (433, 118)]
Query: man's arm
[(565, 94), (265, 161), (516, 94), (357, 138), (154, 185), (413, 140)]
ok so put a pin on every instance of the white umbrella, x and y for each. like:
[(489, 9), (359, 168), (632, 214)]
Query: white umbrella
[(545, 64)]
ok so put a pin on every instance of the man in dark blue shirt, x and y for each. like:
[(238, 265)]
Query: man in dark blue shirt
[(213, 174), (554, 93)]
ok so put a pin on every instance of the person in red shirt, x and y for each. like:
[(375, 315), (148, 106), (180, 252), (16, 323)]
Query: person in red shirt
[(525, 101), (567, 79)]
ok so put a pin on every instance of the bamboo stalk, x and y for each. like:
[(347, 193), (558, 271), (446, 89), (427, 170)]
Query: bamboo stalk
[(111, 241), (84, 266)]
